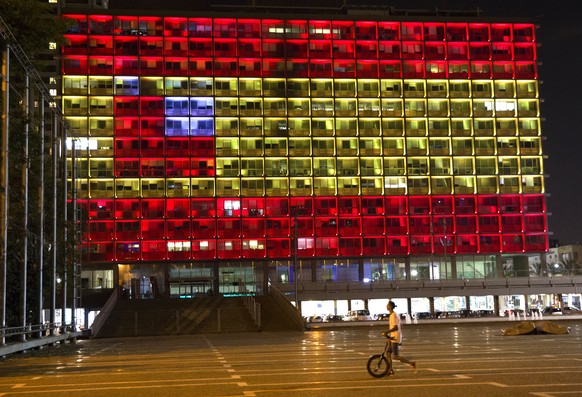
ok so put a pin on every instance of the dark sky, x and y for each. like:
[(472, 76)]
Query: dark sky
[(560, 35)]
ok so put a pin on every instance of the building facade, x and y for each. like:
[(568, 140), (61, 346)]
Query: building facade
[(220, 152)]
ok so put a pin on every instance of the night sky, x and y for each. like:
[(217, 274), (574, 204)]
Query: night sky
[(560, 35)]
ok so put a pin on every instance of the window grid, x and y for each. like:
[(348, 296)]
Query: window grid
[(304, 119)]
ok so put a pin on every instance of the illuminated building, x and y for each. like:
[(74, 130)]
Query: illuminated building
[(387, 148)]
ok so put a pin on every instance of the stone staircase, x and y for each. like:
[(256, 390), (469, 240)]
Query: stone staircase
[(151, 317), (164, 316), (278, 314), (231, 316)]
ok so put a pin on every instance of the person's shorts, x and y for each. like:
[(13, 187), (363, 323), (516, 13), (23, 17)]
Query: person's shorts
[(395, 348)]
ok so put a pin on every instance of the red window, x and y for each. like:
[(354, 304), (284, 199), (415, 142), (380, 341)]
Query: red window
[(350, 246), (375, 245), (153, 208), (203, 249), (178, 229), (397, 245), (229, 249)]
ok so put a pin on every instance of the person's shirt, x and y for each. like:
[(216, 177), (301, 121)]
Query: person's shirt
[(395, 323)]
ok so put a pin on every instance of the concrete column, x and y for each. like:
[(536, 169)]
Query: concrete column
[(86, 318), (216, 281), (314, 272), (265, 280), (431, 305), (360, 270), (166, 282), (543, 265), (453, 260), (499, 267), (560, 299)]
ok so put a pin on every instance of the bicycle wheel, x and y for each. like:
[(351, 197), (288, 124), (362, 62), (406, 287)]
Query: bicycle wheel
[(378, 366)]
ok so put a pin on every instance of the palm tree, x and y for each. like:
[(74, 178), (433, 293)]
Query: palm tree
[(535, 269), (508, 270), (555, 269), (570, 267)]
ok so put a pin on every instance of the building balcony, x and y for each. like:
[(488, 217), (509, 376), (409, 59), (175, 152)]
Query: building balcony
[(464, 189), (370, 132), (532, 189), (462, 132), (322, 113), (418, 190), (460, 112), (507, 151), (346, 132), (322, 132)]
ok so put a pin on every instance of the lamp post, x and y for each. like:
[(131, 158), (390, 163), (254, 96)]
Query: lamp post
[(295, 243), (446, 243)]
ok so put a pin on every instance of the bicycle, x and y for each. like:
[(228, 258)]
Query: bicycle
[(379, 365)]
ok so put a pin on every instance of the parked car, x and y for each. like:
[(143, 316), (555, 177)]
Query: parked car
[(553, 310), (485, 313), (358, 315), (422, 315), (476, 313), (571, 310), (382, 316), (449, 314), (515, 312), (332, 318), (315, 319)]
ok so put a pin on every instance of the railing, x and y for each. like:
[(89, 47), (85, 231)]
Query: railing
[(104, 313), (285, 304), (19, 339), (24, 333), (433, 288), (254, 309)]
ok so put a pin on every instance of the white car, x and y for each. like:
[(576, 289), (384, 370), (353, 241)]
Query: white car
[(358, 315)]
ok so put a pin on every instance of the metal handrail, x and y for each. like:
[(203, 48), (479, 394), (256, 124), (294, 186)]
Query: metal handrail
[(32, 329)]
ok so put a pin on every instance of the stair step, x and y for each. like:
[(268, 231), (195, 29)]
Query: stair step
[(153, 317)]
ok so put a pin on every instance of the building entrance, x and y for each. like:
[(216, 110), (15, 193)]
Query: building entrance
[(141, 281), (225, 278), (241, 279), (190, 288)]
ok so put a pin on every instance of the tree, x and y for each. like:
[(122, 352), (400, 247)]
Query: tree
[(555, 269), (536, 269), (570, 267), (33, 25)]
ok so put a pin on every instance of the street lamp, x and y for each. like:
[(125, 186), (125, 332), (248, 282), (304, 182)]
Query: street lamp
[(295, 243), (445, 243)]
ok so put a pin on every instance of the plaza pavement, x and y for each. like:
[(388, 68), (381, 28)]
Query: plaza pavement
[(455, 359)]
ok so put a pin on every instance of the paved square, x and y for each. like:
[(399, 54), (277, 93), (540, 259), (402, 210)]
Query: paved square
[(459, 359)]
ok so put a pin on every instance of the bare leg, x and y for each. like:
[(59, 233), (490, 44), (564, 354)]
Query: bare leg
[(406, 361), (395, 353)]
